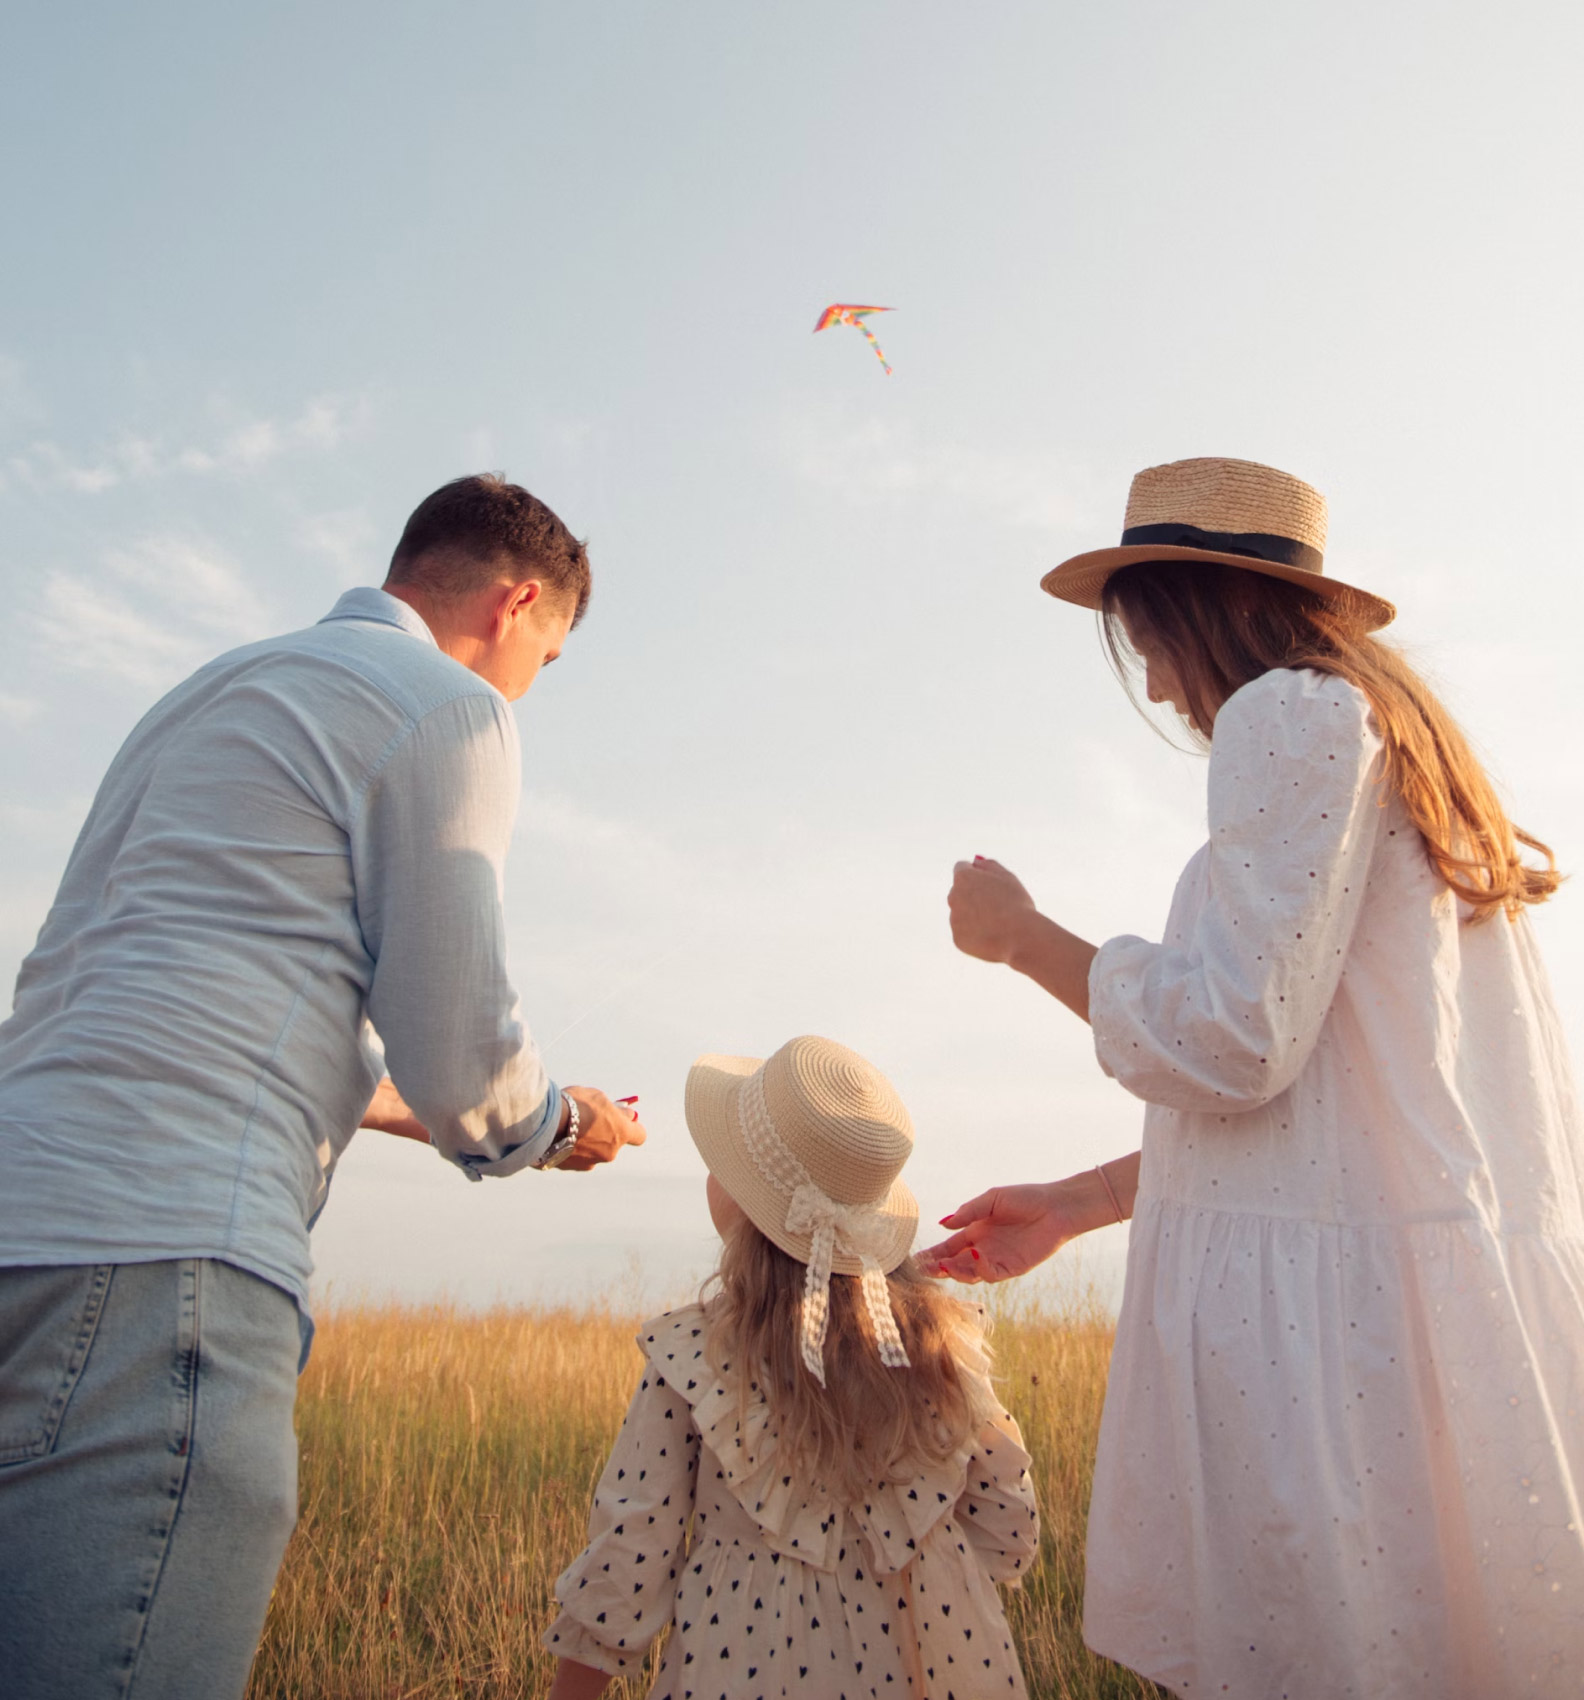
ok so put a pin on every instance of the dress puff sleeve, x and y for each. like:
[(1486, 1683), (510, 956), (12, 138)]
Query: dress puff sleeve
[(996, 1510), (618, 1595), (1225, 1016)]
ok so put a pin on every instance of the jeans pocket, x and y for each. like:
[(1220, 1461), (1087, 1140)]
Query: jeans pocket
[(47, 1323)]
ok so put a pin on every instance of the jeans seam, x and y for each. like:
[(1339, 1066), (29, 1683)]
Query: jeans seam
[(81, 1346), (76, 1362), (185, 1368)]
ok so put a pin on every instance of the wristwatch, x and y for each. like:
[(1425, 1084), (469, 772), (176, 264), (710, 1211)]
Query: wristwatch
[(560, 1147)]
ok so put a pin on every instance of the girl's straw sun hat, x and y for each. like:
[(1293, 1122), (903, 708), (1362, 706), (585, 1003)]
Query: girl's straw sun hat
[(810, 1144), (1236, 512)]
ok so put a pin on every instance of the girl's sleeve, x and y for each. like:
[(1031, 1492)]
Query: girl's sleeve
[(1224, 1016), (996, 1511), (619, 1593)]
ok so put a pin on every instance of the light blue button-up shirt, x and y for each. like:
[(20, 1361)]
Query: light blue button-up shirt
[(305, 838)]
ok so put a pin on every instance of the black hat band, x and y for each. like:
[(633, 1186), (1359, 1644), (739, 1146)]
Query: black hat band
[(1258, 545)]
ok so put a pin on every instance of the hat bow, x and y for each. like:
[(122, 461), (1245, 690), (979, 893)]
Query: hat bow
[(855, 1230)]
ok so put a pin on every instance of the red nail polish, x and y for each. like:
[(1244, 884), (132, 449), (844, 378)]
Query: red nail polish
[(940, 1268), (945, 1221), (975, 1250)]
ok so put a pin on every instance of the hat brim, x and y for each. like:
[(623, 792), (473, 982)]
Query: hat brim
[(710, 1106), (1082, 578)]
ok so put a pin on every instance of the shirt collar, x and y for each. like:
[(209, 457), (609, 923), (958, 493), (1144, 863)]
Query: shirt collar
[(379, 606)]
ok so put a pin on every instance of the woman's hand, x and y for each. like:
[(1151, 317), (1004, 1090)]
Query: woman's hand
[(1001, 1234), (1010, 1230), (991, 910), (994, 918)]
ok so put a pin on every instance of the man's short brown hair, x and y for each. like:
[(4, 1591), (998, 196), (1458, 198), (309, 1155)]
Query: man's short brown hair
[(455, 540)]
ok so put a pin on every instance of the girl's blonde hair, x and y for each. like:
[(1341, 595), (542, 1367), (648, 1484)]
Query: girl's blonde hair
[(1221, 627), (868, 1423)]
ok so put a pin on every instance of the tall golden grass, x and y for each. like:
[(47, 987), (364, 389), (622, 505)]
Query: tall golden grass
[(448, 1459)]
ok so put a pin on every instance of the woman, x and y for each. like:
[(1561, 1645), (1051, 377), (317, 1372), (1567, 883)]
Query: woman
[(1343, 1443)]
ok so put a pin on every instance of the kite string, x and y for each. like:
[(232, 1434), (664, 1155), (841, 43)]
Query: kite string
[(628, 985)]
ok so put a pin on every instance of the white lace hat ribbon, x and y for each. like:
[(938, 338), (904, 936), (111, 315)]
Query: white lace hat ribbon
[(851, 1230)]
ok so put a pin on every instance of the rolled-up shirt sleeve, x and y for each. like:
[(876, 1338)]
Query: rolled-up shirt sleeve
[(429, 850), (1225, 1017)]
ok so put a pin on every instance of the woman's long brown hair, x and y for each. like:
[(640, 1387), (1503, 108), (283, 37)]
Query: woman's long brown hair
[(867, 1423), (1222, 627)]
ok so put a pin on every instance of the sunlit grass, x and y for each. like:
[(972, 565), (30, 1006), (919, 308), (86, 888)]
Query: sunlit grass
[(448, 1458)]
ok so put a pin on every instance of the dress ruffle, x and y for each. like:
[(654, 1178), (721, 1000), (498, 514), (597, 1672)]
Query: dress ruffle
[(801, 1518), (1334, 1408)]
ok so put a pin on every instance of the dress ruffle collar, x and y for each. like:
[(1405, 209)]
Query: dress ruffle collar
[(799, 1518)]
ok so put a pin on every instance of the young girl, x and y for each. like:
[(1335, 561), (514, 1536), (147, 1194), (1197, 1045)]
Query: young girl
[(1343, 1443), (815, 1487)]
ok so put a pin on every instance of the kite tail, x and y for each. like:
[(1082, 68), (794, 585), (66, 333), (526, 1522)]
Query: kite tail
[(874, 345)]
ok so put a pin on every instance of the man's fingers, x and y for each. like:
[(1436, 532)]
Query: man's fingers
[(608, 1126)]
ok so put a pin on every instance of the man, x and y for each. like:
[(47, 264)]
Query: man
[(306, 837)]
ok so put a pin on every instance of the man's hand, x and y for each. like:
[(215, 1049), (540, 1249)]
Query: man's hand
[(990, 910), (605, 1128), (388, 1112), (577, 1682)]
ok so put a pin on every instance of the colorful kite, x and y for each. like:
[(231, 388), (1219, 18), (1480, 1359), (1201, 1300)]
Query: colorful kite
[(845, 313)]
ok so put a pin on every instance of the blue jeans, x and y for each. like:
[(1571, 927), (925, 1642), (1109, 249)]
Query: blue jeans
[(148, 1477)]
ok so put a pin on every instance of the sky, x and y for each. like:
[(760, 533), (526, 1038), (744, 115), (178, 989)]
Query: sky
[(270, 275)]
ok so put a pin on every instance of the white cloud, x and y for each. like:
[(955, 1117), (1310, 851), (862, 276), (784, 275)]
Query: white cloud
[(17, 401), (876, 462), (192, 578), (18, 711), (345, 537), (47, 465), (246, 447), (151, 614)]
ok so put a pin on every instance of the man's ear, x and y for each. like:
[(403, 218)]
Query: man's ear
[(514, 601)]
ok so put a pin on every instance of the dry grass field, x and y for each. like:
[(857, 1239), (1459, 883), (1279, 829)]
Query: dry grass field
[(447, 1463)]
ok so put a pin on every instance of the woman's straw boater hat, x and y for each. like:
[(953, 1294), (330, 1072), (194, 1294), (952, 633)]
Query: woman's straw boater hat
[(1232, 511), (810, 1143)]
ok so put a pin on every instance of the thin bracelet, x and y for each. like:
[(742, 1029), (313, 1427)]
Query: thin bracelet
[(1110, 1191)]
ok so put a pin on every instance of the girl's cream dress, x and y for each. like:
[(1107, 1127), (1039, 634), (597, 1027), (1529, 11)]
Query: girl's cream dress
[(1343, 1444), (772, 1588)]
